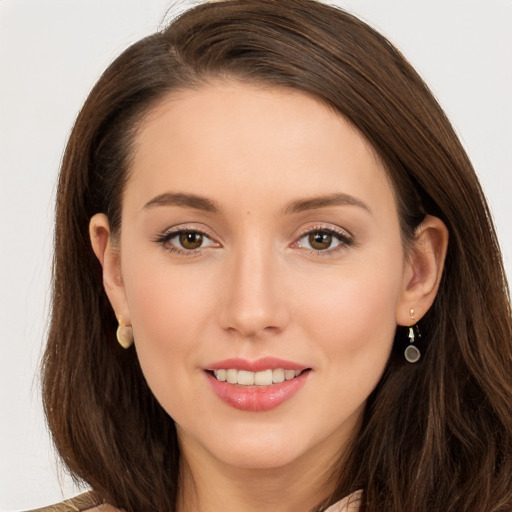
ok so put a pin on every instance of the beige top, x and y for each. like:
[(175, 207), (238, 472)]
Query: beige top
[(87, 501), (90, 502), (349, 504)]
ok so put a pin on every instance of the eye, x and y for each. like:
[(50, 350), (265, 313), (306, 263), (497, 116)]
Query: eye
[(323, 240), (186, 241), (190, 239)]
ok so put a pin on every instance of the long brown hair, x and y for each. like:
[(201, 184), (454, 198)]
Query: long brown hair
[(436, 435)]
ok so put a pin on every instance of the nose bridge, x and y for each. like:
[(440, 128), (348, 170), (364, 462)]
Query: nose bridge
[(253, 303)]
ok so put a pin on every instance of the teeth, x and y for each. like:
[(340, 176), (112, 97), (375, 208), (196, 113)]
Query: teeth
[(221, 375), (289, 374), (245, 378), (263, 378), (232, 376), (278, 375)]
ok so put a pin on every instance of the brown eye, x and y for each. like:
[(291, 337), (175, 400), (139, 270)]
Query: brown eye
[(325, 241), (320, 240), (186, 242), (190, 240)]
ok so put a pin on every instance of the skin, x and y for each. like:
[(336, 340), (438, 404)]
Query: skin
[(257, 287)]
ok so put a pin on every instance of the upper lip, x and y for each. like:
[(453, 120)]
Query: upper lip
[(264, 363)]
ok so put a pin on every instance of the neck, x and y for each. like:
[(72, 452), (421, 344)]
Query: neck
[(213, 486)]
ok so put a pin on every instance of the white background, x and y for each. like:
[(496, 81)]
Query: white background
[(52, 52)]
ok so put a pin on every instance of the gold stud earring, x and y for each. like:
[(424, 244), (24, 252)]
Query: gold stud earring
[(412, 353), (124, 335)]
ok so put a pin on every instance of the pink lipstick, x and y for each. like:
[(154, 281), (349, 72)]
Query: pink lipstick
[(258, 385)]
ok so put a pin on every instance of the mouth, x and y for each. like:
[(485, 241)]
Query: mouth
[(261, 378), (259, 385)]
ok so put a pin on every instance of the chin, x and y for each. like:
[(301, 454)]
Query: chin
[(256, 447), (261, 458)]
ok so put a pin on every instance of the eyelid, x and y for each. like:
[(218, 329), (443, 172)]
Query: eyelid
[(325, 227), (345, 238), (166, 236), (332, 229)]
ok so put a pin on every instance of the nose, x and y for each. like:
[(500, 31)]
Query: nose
[(254, 302)]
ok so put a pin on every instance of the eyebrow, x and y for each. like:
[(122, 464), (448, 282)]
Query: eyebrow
[(301, 205), (315, 203), (187, 200)]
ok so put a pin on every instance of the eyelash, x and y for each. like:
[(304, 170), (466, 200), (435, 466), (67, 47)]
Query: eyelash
[(165, 238), (344, 241)]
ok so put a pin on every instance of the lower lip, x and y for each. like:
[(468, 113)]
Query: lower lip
[(257, 398)]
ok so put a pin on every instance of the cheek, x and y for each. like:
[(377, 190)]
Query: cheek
[(163, 300), (354, 315), (351, 327), (168, 309), (166, 300)]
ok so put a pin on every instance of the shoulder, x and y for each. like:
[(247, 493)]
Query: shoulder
[(104, 508), (87, 502), (351, 503)]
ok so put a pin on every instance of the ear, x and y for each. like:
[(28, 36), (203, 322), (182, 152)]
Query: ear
[(423, 270), (107, 252)]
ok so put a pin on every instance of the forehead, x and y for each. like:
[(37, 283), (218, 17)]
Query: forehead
[(232, 137)]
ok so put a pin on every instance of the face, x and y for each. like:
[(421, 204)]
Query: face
[(262, 270)]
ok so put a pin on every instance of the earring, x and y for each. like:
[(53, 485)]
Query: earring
[(124, 335), (412, 353)]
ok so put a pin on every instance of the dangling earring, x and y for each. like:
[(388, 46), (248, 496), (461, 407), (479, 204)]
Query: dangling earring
[(412, 353), (124, 335)]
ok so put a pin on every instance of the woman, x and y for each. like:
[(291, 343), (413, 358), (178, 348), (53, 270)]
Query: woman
[(267, 205)]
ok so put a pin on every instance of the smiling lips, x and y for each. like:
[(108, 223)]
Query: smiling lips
[(256, 386)]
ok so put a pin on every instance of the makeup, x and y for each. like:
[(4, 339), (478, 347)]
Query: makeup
[(256, 386)]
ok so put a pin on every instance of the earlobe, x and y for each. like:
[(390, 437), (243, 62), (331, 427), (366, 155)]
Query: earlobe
[(424, 269), (109, 257)]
